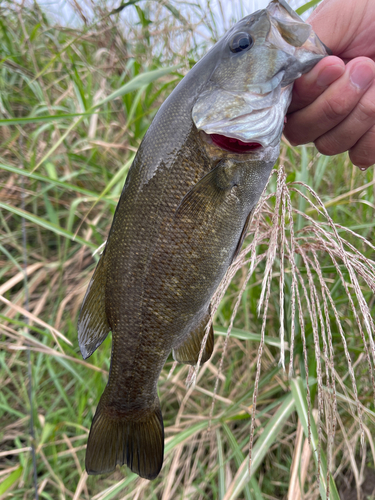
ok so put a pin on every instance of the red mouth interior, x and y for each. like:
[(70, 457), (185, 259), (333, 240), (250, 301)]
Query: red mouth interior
[(234, 145)]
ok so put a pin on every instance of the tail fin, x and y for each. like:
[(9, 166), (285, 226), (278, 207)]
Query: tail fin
[(134, 439)]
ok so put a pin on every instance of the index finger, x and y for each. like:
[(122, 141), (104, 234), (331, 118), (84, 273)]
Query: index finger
[(311, 85)]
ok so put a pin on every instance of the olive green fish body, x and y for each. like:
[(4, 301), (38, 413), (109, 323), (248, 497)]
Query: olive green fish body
[(164, 264), (180, 221)]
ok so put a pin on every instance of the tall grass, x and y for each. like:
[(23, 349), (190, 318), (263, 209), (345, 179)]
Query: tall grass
[(74, 105)]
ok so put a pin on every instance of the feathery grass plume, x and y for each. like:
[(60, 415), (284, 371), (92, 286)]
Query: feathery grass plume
[(275, 241)]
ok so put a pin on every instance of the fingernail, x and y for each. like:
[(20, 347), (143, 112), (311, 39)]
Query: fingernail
[(361, 76), (329, 74)]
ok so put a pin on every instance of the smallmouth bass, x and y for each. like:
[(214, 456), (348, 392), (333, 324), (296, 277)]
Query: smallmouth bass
[(181, 219)]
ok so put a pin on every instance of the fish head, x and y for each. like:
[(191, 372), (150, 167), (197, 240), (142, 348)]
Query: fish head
[(243, 105)]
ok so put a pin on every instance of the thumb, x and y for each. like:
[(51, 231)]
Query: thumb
[(309, 87)]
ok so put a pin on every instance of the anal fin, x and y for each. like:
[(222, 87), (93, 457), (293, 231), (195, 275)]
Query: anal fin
[(93, 325), (188, 351)]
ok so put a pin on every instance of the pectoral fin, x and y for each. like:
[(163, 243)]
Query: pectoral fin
[(207, 195), (93, 325), (188, 351)]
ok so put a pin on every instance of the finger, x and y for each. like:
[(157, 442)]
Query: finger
[(345, 135), (333, 105), (311, 85), (329, 19), (346, 27), (363, 153)]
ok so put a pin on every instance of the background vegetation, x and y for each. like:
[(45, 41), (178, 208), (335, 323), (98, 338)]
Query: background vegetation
[(74, 106)]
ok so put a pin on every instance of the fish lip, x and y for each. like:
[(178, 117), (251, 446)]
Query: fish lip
[(235, 145)]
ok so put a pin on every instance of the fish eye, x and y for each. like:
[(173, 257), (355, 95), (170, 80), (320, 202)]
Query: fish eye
[(240, 42)]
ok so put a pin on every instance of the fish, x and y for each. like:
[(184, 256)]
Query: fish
[(181, 220)]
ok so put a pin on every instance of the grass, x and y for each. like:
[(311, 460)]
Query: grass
[(75, 104)]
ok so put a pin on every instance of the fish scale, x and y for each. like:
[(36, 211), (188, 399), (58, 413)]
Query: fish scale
[(180, 221)]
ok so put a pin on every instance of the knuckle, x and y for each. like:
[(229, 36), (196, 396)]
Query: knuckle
[(336, 108), (367, 109)]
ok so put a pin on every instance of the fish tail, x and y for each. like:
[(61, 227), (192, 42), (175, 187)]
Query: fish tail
[(132, 438)]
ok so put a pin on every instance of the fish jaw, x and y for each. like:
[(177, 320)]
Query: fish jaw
[(263, 126), (248, 93)]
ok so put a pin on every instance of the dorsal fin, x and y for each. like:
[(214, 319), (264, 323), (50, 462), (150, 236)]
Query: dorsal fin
[(93, 325)]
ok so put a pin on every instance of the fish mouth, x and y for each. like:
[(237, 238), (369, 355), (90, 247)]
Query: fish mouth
[(242, 122), (235, 145)]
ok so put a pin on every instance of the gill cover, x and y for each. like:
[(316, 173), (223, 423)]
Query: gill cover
[(249, 91)]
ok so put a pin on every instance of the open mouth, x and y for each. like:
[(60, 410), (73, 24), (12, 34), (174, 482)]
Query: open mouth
[(234, 145)]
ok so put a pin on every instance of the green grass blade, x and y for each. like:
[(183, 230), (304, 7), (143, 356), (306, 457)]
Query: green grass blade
[(136, 83), (119, 176), (47, 225), (176, 13), (220, 453), (244, 335), (320, 171), (186, 434), (58, 142), (112, 491), (36, 119), (122, 6), (24, 325), (299, 395), (239, 458), (53, 182), (10, 257), (10, 480), (307, 6), (261, 447)]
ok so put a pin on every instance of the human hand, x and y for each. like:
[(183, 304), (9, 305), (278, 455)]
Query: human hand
[(334, 104)]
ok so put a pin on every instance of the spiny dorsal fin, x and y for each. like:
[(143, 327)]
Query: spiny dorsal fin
[(93, 325), (188, 351)]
